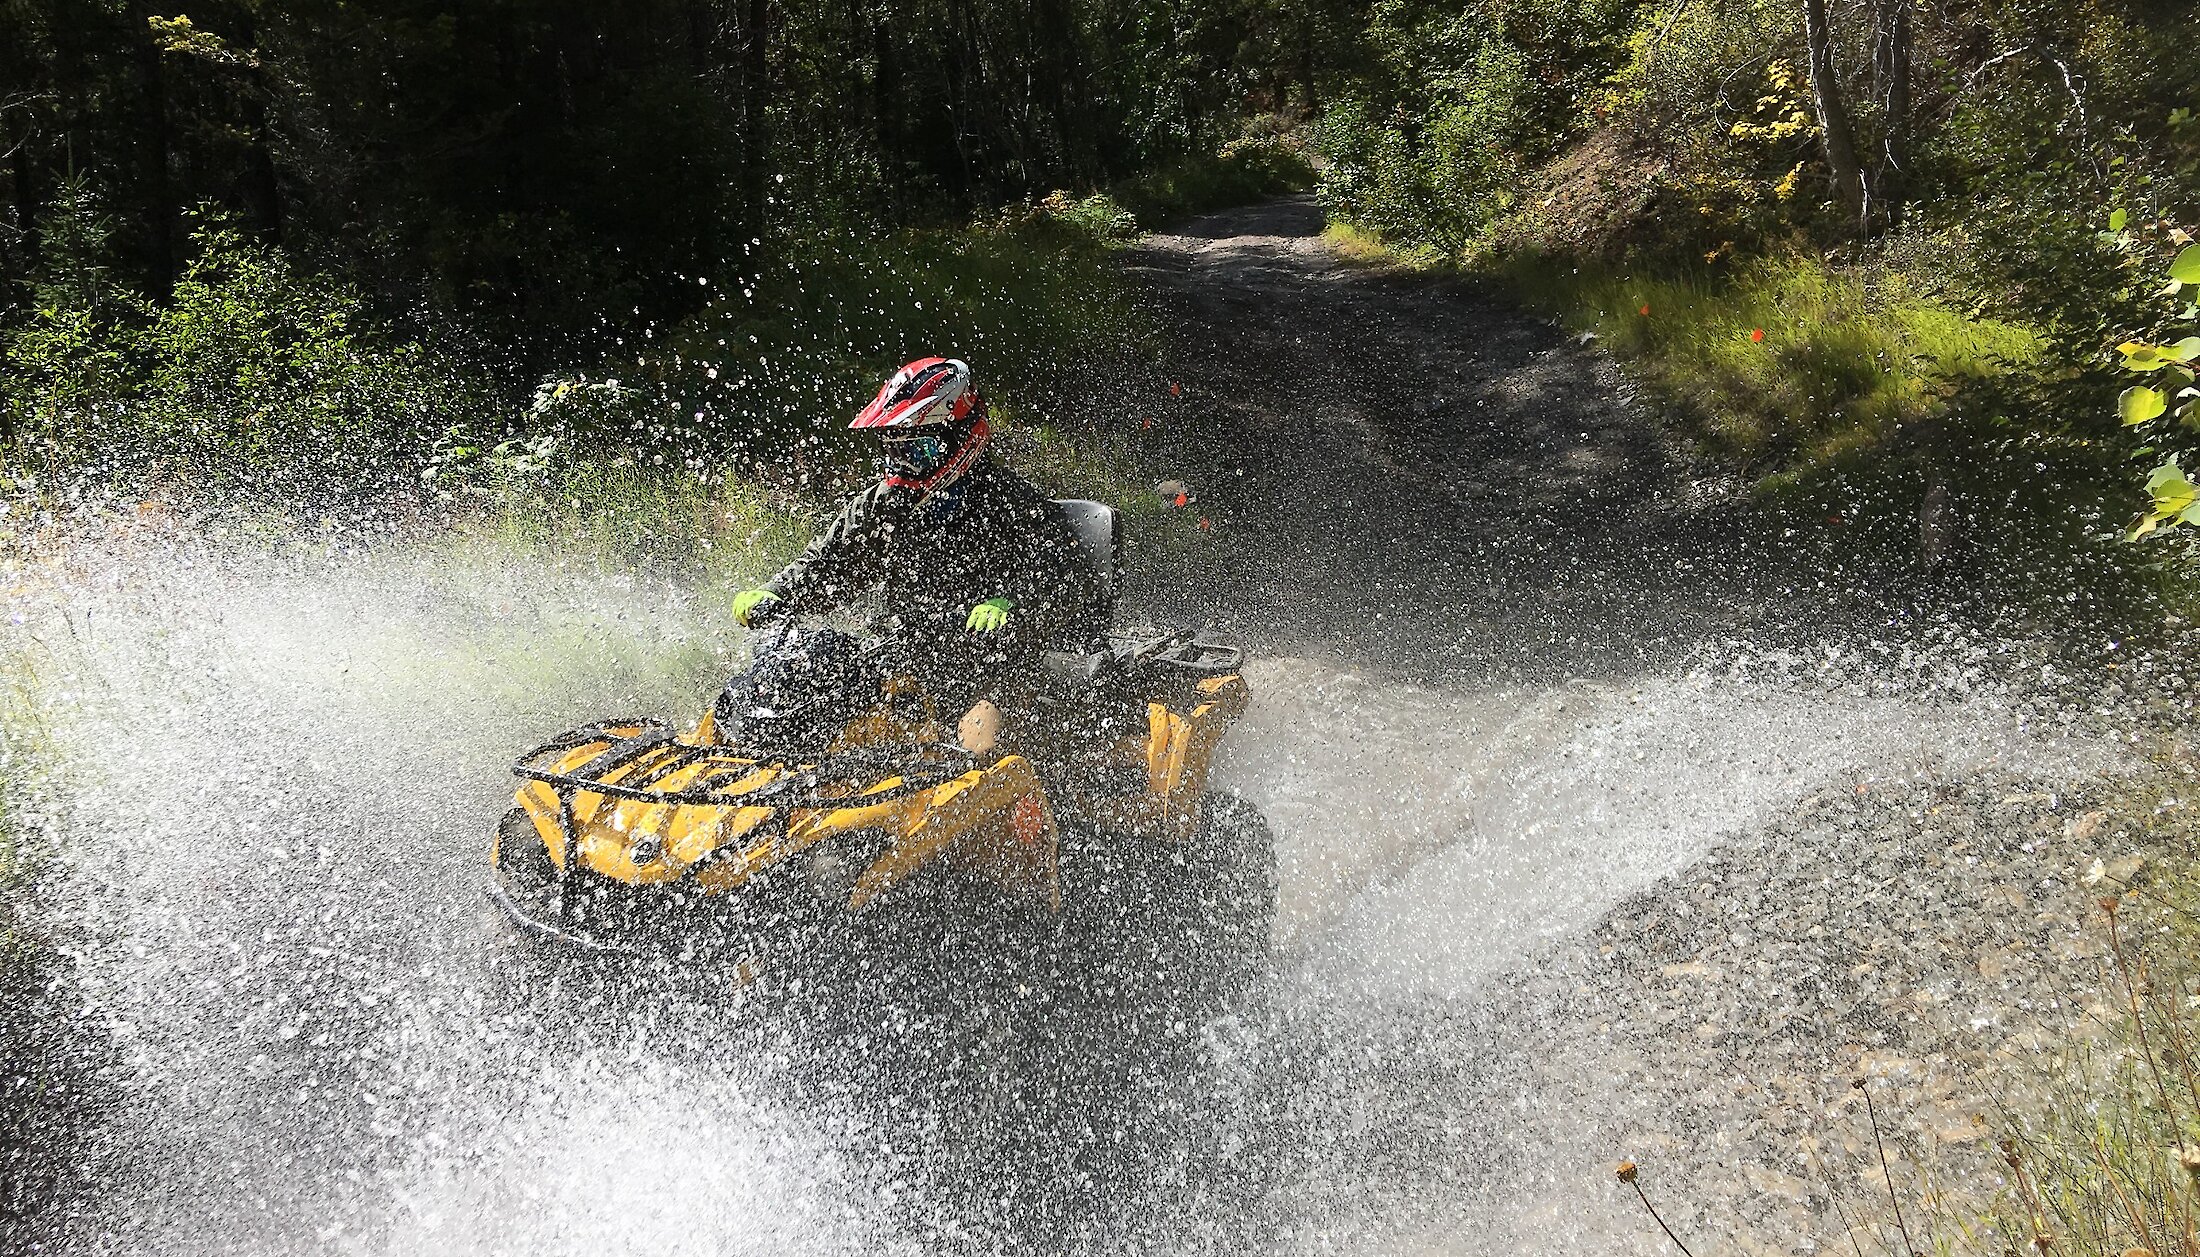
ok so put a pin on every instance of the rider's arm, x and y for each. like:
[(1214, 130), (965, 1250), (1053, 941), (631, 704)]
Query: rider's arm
[(841, 562)]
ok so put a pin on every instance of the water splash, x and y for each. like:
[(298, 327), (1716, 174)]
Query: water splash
[(275, 783)]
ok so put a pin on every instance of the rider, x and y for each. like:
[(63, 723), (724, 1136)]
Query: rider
[(963, 551)]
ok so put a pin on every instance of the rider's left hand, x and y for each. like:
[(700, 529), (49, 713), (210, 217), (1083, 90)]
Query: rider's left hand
[(989, 616)]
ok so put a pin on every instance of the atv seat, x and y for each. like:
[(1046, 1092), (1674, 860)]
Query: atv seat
[(1096, 525)]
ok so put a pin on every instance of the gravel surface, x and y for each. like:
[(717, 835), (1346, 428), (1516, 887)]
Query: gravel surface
[(1936, 941)]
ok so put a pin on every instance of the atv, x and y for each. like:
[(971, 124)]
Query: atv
[(827, 787)]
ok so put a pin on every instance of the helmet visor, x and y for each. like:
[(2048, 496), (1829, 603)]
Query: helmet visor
[(915, 456)]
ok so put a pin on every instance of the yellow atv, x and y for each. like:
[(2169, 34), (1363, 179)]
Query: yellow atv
[(827, 786)]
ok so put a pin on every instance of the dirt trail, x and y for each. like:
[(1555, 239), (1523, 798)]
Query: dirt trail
[(1403, 471)]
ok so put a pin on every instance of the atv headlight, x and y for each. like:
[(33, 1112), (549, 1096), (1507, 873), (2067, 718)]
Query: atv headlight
[(646, 850)]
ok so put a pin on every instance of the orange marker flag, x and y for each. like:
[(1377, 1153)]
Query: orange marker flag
[(1646, 309), (1175, 389), (1757, 334), (1205, 525)]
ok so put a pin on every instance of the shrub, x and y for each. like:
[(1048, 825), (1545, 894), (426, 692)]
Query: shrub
[(254, 378), (1252, 168)]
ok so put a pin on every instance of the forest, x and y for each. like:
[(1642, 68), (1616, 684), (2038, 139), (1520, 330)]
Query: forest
[(395, 222)]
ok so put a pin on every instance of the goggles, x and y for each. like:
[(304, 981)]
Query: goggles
[(915, 456)]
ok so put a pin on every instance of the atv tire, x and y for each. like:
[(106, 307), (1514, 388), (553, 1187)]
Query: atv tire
[(522, 863), (1222, 894)]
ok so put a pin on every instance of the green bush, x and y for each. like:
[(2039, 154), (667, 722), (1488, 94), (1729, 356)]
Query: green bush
[(1429, 146), (770, 371), (260, 381), (1249, 169), (253, 378)]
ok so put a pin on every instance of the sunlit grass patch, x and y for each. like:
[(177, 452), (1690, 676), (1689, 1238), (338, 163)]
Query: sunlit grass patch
[(1786, 359), (1361, 245)]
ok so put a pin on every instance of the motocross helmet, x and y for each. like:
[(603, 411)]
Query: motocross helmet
[(933, 423)]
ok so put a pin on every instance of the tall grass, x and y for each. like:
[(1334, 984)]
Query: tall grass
[(2113, 1163), (1783, 358)]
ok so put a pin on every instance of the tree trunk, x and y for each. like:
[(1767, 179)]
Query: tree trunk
[(1833, 115), (1309, 95), (1891, 70)]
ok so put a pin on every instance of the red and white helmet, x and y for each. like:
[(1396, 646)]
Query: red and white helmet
[(932, 423), (928, 391)]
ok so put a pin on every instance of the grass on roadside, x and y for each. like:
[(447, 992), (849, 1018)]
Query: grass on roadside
[(1784, 359), (2107, 1159), (2113, 1163), (1781, 362)]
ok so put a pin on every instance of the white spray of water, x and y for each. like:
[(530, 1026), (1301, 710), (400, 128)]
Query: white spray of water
[(1428, 839), (277, 787)]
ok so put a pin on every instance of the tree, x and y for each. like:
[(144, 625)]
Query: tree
[(1834, 129)]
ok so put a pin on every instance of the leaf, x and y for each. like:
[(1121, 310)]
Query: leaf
[(2173, 494), (2142, 357), (2183, 351), (2139, 404), (2186, 269), (2117, 219)]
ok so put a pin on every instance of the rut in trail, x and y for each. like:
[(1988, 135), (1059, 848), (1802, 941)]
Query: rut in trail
[(1512, 663)]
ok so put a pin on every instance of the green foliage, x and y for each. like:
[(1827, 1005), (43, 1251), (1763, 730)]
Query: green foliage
[(257, 380), (1429, 147), (559, 173), (2171, 387), (254, 378), (760, 383), (1782, 358), (788, 358), (1095, 219), (2083, 116), (1249, 169)]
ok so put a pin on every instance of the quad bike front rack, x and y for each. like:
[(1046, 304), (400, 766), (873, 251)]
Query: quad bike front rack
[(651, 752)]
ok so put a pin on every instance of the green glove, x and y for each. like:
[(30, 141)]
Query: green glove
[(748, 602), (990, 616)]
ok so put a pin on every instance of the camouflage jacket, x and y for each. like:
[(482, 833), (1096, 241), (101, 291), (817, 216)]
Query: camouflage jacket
[(997, 537)]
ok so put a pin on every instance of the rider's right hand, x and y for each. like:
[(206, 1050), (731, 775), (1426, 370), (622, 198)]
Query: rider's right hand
[(751, 607)]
